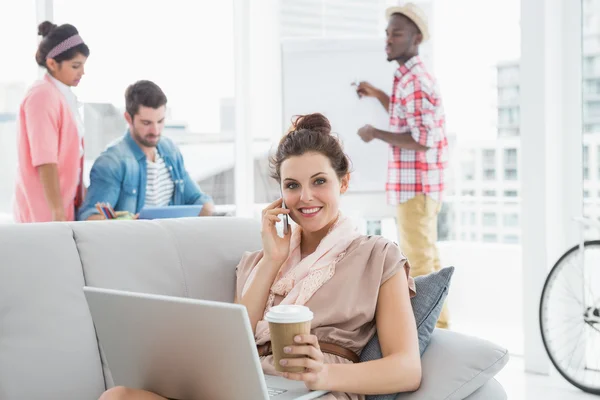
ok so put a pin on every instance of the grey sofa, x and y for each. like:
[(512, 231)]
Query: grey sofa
[(48, 345)]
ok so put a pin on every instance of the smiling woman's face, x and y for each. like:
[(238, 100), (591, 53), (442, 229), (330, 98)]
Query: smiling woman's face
[(311, 190)]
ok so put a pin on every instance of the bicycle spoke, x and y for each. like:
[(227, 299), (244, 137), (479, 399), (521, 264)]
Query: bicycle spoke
[(568, 326), (565, 283), (596, 372), (593, 326), (567, 340), (572, 353), (579, 265), (566, 293), (587, 284), (592, 370)]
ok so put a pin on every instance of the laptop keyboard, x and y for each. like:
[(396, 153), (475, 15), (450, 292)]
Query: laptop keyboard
[(275, 392)]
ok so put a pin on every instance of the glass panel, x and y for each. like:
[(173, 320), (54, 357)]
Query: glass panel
[(481, 103), (186, 49), (19, 69), (591, 112)]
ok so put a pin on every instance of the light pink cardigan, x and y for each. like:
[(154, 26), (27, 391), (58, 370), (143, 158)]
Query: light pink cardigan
[(47, 135)]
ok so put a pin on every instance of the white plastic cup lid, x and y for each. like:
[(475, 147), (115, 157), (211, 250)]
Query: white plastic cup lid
[(289, 314)]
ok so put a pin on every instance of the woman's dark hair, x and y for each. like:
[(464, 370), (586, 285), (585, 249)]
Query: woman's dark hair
[(310, 133), (53, 35)]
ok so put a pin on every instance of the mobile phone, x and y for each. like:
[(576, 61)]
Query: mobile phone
[(286, 222)]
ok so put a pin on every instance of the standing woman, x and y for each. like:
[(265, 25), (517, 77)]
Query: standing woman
[(50, 140)]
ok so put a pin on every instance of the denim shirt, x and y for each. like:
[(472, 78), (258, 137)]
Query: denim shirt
[(119, 175)]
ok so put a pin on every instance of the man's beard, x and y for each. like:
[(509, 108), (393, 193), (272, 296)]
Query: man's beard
[(143, 140)]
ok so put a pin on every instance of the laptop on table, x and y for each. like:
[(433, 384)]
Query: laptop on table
[(184, 349)]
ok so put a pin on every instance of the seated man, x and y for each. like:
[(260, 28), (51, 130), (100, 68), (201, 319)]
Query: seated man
[(142, 168)]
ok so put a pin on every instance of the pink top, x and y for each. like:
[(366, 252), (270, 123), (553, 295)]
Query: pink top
[(47, 134), (344, 307)]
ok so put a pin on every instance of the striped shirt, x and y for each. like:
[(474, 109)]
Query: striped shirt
[(159, 184)]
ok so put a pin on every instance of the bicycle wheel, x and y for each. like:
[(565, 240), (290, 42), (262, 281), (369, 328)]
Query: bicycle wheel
[(570, 316)]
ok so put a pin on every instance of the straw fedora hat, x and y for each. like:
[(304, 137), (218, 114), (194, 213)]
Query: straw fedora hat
[(412, 12)]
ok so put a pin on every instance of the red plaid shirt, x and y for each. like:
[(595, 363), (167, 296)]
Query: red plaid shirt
[(416, 109)]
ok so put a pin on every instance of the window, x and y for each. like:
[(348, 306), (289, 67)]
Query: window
[(489, 174), (508, 95), (591, 128), (200, 93), (508, 116), (19, 70), (489, 193), (464, 218), (374, 227), (468, 193), (510, 193), (508, 74), (592, 110), (489, 219), (586, 157), (598, 158), (592, 87), (327, 18), (590, 66), (489, 238), (510, 174), (510, 164), (510, 157), (504, 131), (510, 239), (591, 44), (511, 220), (468, 169), (590, 23), (489, 157)]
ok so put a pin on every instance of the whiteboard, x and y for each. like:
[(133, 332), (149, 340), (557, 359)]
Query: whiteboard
[(317, 76)]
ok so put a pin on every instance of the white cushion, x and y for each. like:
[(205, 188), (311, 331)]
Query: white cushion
[(48, 346), (184, 257), (456, 365)]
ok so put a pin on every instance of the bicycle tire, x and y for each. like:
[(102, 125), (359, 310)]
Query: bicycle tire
[(555, 268)]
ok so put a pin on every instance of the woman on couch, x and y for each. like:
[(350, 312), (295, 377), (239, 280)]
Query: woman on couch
[(354, 284)]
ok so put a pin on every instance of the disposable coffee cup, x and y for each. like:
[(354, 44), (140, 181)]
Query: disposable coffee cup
[(285, 323)]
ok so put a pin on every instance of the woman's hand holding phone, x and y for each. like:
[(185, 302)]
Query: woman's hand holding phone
[(275, 248)]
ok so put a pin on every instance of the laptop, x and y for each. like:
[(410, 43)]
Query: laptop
[(182, 211), (184, 349)]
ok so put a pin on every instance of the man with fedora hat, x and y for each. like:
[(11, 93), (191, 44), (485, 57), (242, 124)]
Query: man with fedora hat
[(417, 139)]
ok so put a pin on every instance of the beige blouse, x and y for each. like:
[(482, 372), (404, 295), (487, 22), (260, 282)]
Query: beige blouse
[(344, 307)]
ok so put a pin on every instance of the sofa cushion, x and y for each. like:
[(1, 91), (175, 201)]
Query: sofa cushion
[(491, 390), (456, 365), (169, 257), (176, 257), (432, 290), (48, 346), (137, 256), (210, 269)]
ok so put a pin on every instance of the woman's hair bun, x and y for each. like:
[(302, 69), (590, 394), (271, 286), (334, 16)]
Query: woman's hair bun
[(45, 28), (316, 122)]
